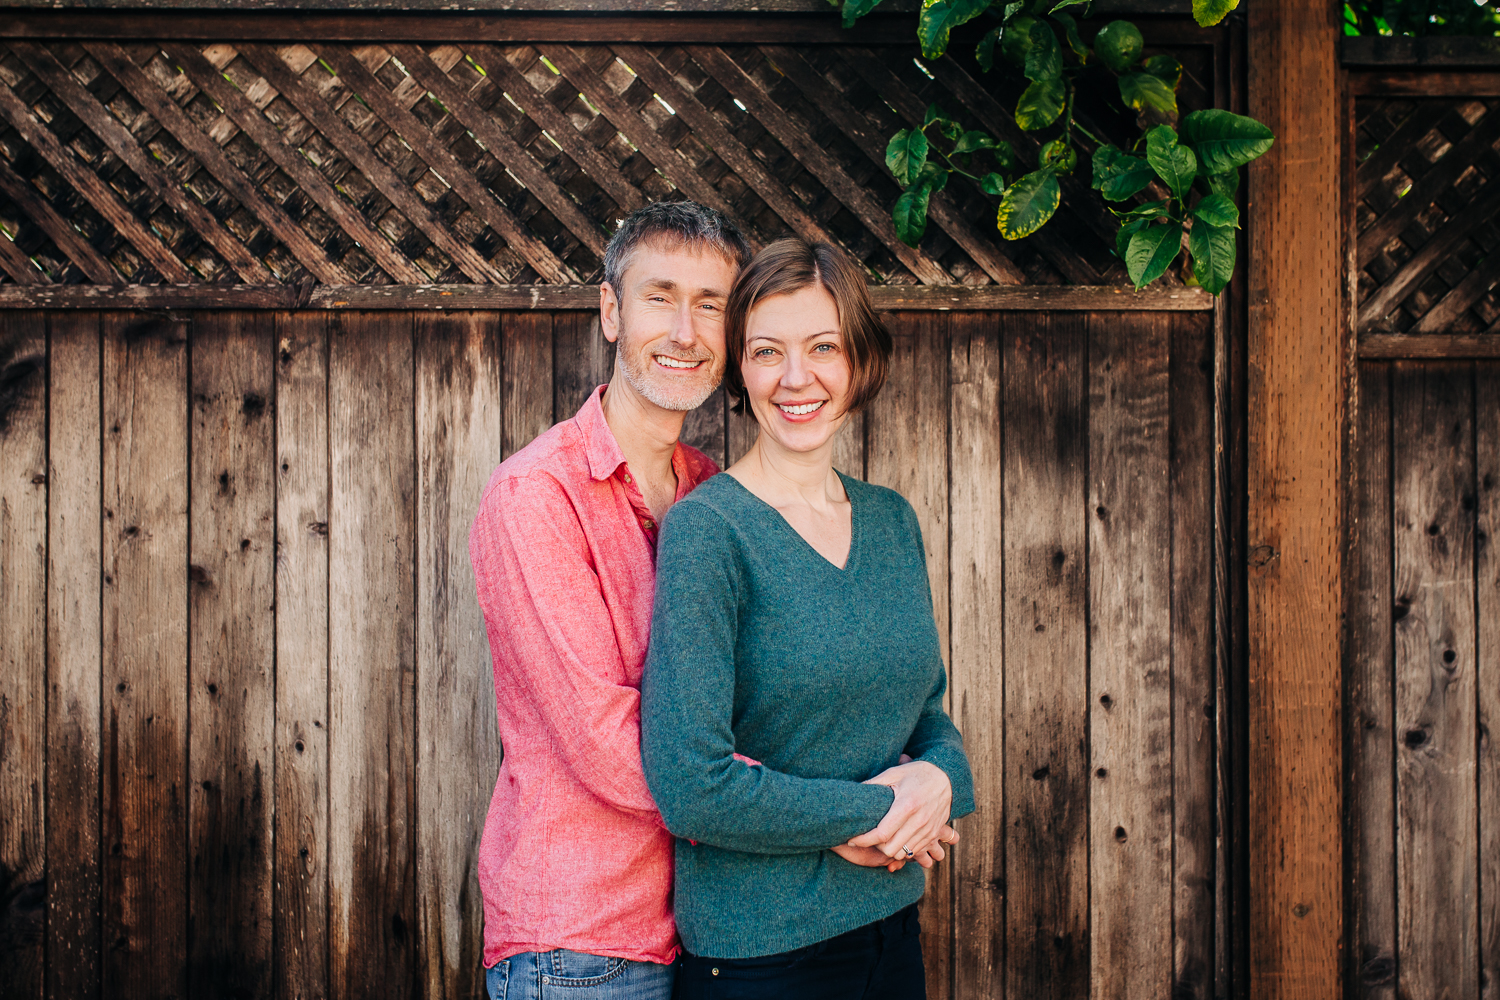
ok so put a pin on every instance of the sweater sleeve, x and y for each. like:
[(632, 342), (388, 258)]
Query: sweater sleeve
[(935, 739), (687, 702)]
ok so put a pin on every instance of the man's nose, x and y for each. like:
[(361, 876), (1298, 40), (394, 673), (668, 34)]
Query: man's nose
[(682, 325)]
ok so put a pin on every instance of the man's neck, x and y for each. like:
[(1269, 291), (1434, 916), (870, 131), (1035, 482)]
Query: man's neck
[(646, 433)]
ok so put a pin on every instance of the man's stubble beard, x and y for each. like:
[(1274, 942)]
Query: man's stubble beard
[(636, 366)]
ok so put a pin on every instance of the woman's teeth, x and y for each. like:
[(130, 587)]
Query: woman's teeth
[(802, 409), (667, 362)]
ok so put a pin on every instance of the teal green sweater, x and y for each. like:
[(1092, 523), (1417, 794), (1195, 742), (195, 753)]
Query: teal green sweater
[(760, 646)]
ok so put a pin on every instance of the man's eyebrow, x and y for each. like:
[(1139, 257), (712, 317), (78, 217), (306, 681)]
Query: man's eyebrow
[(665, 284)]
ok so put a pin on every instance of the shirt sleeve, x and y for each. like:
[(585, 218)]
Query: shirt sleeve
[(548, 624), (687, 743)]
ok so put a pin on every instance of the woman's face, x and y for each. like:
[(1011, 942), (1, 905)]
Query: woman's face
[(795, 370)]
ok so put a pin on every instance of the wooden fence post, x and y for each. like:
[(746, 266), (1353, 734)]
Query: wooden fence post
[(1297, 358)]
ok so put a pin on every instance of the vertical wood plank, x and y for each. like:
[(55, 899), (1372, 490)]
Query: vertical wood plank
[(704, 427), (1193, 731), (371, 896), (976, 560), (1433, 504), (907, 428), (74, 576), (527, 396), (1368, 717), (23, 651), (1130, 828), (145, 480), (301, 840), (582, 360), (1046, 772), (458, 753), (1487, 676), (231, 652)]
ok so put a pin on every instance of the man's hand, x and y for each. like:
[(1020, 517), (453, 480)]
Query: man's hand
[(924, 799), (871, 857)]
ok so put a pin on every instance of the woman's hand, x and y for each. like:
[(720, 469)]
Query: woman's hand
[(872, 857), (924, 800)]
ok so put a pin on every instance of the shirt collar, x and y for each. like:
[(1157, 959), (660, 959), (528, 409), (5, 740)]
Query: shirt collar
[(599, 442)]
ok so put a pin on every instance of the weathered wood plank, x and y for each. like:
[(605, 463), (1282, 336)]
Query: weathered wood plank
[(232, 652), (1425, 83), (1400, 346), (74, 575), (144, 759), (1193, 702), (64, 236), (1487, 676), (526, 372), (1368, 716), (1047, 775), (976, 563), (1130, 823), (19, 266), (23, 648), (373, 951), (1433, 503), (458, 753), (703, 428), (906, 429), (582, 360), (302, 782)]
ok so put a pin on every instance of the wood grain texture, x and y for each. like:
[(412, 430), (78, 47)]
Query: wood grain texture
[(1047, 776), (582, 361), (232, 654), (976, 698), (1487, 603), (1369, 722), (1130, 731), (526, 373), (74, 580), (372, 533), (23, 649), (302, 781), (458, 750), (63, 235), (144, 754), (1296, 389), (1432, 516), (906, 428), (1193, 700)]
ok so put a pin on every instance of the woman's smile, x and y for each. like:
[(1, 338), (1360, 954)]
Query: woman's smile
[(801, 412)]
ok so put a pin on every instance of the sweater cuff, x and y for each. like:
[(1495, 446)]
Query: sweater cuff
[(952, 762)]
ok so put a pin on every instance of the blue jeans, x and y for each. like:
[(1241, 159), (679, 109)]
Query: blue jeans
[(571, 975)]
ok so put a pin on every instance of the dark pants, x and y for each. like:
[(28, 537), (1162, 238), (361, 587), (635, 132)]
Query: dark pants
[(879, 961)]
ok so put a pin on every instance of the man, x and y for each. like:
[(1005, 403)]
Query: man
[(575, 864)]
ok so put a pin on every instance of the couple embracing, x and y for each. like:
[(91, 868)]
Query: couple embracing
[(724, 722)]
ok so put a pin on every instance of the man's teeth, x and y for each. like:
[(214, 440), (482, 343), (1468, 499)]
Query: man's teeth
[(802, 409), (667, 362)]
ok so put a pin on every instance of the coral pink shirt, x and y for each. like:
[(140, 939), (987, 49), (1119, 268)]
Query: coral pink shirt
[(574, 854)]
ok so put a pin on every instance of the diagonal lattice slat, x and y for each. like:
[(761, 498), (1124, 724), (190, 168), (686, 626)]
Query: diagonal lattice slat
[(242, 163), (1428, 190)]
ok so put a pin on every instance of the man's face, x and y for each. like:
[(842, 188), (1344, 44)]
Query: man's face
[(668, 322)]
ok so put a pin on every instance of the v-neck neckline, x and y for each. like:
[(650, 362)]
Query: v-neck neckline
[(854, 520)]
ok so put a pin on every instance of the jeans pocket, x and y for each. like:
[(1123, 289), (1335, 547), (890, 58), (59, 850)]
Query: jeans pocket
[(576, 969), (497, 979)]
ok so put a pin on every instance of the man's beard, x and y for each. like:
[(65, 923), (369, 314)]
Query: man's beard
[(638, 369)]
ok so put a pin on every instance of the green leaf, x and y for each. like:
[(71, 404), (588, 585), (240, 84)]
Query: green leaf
[(1129, 229), (1118, 45), (935, 113), (1210, 12), (1142, 90), (992, 184), (1070, 29), (1150, 210), (1164, 68), (932, 175), (1212, 248), (1118, 175), (1028, 204), (972, 141), (1226, 183), (1016, 41), (938, 19), (1173, 162), (910, 215), (1044, 58), (1223, 140), (985, 54), (1058, 156), (1151, 252), (1040, 104), (1005, 157), (906, 153), (856, 9), (1218, 210), (1065, 3)]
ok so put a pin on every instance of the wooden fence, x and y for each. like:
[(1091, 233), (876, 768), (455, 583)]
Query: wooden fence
[(275, 310)]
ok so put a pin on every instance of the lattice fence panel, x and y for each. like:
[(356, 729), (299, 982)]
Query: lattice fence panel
[(147, 163), (1428, 215)]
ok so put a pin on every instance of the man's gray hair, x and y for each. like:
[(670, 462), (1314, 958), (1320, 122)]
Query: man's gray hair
[(680, 223)]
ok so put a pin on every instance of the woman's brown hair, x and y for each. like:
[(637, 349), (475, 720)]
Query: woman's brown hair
[(790, 265)]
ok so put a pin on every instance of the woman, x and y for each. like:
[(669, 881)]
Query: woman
[(793, 662)]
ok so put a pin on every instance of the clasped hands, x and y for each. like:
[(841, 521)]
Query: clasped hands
[(917, 819)]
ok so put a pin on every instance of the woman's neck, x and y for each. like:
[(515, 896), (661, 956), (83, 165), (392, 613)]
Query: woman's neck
[(785, 478)]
